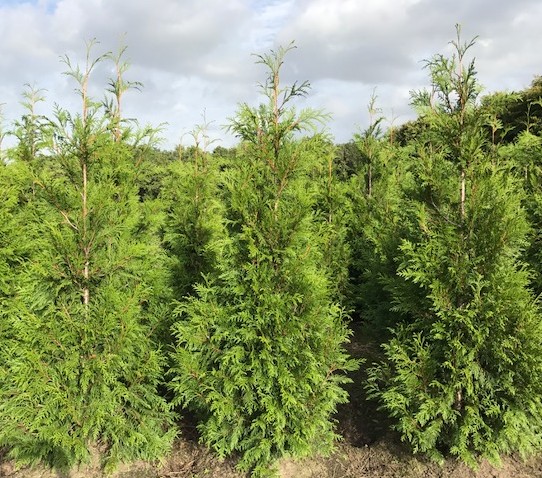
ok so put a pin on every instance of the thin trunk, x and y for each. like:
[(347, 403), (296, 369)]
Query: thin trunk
[(463, 193), (329, 188), (118, 109), (86, 248), (84, 197), (276, 115), (369, 181), (458, 402)]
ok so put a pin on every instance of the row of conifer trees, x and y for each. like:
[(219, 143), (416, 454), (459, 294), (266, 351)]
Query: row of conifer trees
[(221, 285)]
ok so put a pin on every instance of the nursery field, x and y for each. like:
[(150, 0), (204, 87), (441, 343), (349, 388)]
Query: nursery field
[(286, 307)]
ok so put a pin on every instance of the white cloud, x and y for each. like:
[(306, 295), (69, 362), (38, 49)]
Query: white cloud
[(195, 55)]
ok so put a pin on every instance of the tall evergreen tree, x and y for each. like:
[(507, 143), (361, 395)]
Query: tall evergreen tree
[(80, 368), (13, 251), (378, 220), (524, 157), (32, 129), (463, 374), (332, 210), (192, 197), (369, 143), (260, 348)]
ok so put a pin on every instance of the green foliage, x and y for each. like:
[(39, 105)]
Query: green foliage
[(462, 374), (369, 143), (12, 251), (421, 232), (524, 158), (32, 130), (377, 226), (379, 219), (512, 113), (80, 367), (192, 197), (332, 210), (259, 350), (347, 158), (455, 378)]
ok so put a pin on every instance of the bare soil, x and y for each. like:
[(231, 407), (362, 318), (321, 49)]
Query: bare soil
[(368, 450)]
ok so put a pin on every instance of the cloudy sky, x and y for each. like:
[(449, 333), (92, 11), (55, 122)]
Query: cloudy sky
[(194, 56)]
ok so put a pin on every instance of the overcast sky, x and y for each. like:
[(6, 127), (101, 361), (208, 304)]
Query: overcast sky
[(194, 56)]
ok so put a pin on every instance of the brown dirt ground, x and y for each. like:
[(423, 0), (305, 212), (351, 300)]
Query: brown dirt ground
[(368, 450)]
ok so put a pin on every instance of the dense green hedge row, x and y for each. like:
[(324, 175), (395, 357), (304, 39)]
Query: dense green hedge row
[(137, 284)]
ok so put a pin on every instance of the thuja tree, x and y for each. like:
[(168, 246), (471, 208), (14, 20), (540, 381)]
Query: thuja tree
[(80, 370), (31, 129), (260, 348), (378, 224), (462, 376), (192, 199), (379, 219), (16, 187), (332, 209), (370, 145), (524, 157), (13, 251)]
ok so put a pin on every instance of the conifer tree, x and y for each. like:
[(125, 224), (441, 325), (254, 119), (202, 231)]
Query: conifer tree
[(13, 251), (463, 374), (32, 129), (378, 220), (369, 143), (192, 198), (524, 157), (80, 367), (260, 347), (332, 209)]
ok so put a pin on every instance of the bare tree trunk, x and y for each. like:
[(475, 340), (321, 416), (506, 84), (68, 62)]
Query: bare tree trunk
[(370, 181), (86, 247), (463, 193)]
